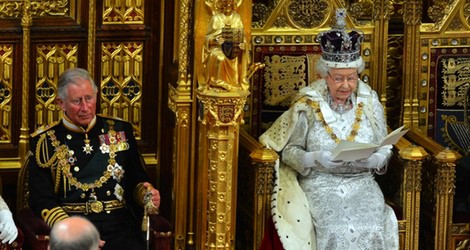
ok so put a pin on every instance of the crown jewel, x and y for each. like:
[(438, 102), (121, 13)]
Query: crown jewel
[(341, 48)]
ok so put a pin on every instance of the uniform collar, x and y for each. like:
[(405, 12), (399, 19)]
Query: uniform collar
[(71, 126)]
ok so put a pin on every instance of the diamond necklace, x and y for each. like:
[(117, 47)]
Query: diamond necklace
[(355, 126)]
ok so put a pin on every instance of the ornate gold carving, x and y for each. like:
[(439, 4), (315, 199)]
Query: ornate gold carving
[(466, 12), (360, 9), (454, 74), (226, 56), (121, 81), (383, 9), (261, 13), (412, 12), (305, 14), (14, 8), (51, 61), (180, 101), (456, 24), (461, 229), (439, 12), (445, 191), (91, 37), (123, 12), (221, 110), (220, 172), (183, 38), (394, 75), (284, 75), (281, 21), (6, 91), (26, 22)]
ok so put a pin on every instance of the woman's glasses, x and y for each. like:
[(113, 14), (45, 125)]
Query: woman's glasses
[(341, 79)]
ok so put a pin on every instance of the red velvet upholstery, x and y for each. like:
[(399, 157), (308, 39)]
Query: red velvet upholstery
[(162, 233), (271, 239), (36, 231)]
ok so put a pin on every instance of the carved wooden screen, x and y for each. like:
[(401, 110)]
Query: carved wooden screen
[(58, 35), (114, 40)]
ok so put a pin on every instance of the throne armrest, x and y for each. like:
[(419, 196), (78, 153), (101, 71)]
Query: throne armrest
[(161, 232), (35, 230)]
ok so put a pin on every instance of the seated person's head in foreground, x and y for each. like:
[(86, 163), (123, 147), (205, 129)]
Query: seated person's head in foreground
[(74, 233)]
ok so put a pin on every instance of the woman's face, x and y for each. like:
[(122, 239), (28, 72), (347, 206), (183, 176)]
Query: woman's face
[(342, 83)]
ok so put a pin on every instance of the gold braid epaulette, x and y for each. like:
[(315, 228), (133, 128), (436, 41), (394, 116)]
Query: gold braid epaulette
[(44, 158)]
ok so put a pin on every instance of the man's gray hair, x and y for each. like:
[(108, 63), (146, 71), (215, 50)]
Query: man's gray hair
[(70, 76)]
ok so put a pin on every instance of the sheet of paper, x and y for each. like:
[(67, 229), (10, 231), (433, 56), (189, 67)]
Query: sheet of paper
[(351, 151), (394, 136)]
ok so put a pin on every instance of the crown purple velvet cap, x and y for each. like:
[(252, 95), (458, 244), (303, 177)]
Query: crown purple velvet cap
[(341, 48)]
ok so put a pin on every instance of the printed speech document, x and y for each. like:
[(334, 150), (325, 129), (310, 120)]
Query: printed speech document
[(352, 151)]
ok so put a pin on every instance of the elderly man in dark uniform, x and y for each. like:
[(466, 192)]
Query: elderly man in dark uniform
[(88, 164)]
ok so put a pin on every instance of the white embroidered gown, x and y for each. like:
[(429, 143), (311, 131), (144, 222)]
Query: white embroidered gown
[(346, 203)]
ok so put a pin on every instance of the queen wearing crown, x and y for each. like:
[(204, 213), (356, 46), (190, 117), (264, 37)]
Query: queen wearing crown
[(320, 202)]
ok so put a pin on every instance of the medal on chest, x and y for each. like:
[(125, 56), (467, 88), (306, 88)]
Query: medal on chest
[(87, 148)]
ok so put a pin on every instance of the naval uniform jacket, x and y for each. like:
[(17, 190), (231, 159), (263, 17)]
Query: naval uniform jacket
[(66, 170)]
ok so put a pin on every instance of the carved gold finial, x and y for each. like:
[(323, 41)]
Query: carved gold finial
[(414, 153), (26, 19), (447, 155)]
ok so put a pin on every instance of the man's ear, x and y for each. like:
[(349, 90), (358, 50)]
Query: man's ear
[(61, 103)]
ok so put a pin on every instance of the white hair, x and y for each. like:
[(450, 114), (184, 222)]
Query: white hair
[(323, 67)]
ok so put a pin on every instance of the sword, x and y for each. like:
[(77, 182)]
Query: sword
[(146, 219), (149, 208)]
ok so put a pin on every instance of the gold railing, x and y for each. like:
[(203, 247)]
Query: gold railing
[(438, 181), (255, 185)]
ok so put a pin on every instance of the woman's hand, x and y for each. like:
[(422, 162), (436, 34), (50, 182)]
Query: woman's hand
[(8, 231), (375, 161), (321, 157)]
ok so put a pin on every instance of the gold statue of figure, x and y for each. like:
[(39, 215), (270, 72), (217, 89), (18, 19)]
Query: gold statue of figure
[(225, 58)]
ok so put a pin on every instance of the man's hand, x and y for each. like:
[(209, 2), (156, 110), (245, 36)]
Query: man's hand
[(155, 195)]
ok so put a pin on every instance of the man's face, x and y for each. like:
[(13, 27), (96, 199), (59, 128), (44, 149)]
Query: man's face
[(80, 104)]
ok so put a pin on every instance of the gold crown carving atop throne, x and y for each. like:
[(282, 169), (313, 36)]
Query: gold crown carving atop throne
[(341, 48)]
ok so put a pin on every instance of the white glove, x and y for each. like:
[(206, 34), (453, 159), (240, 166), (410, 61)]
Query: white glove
[(320, 157), (8, 231), (375, 161)]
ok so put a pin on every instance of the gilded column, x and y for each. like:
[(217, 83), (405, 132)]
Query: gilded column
[(445, 181), (220, 122), (411, 70), (91, 37), (414, 156), (263, 160), (222, 92), (26, 22), (381, 17), (181, 102)]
